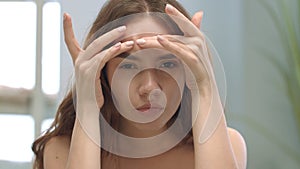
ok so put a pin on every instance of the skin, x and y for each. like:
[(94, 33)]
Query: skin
[(151, 77), (225, 148), (141, 92)]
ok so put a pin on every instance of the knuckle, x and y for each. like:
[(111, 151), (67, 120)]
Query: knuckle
[(195, 60)]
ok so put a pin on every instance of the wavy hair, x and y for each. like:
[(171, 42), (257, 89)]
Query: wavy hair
[(65, 115)]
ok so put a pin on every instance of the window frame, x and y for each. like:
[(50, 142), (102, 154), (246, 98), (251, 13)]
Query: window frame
[(34, 101)]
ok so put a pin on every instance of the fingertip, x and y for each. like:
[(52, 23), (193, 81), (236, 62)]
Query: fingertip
[(129, 43), (141, 41), (122, 28), (197, 19), (117, 45), (65, 16), (67, 24), (200, 14), (160, 38), (169, 7)]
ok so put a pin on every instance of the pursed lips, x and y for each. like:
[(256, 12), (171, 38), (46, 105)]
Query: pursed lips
[(149, 106)]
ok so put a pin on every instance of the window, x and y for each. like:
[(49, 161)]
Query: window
[(51, 47), (21, 117), (17, 134), (18, 44)]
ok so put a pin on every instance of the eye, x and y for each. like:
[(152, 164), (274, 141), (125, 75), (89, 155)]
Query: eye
[(128, 66), (169, 64)]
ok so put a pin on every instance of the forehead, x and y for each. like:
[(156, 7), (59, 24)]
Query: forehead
[(153, 52), (145, 25)]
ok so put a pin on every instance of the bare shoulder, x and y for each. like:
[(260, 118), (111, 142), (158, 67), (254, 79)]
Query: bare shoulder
[(239, 147), (56, 152)]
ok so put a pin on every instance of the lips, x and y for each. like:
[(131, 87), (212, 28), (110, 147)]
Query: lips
[(148, 106)]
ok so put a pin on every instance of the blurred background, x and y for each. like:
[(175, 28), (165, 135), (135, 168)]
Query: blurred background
[(258, 42)]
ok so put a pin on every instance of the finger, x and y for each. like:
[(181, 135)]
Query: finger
[(184, 23), (197, 19), (149, 42), (70, 40), (195, 40), (187, 43), (102, 58), (94, 66), (97, 45), (181, 53), (187, 56), (193, 44)]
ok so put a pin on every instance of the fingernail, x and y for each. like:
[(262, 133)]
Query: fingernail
[(160, 38), (169, 7), (141, 41), (65, 16), (129, 43), (117, 45), (122, 28)]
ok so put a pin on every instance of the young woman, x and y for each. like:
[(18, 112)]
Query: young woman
[(145, 68)]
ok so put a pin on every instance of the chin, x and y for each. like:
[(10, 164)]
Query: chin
[(152, 128)]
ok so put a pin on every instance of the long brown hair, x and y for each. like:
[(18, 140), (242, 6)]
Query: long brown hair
[(65, 115)]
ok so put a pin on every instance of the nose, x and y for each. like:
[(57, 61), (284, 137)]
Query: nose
[(149, 81)]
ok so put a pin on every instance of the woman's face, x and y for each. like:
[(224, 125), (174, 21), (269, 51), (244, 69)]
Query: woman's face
[(147, 84)]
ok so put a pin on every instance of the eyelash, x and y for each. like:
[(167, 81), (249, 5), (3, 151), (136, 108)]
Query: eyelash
[(126, 66), (166, 65), (173, 64)]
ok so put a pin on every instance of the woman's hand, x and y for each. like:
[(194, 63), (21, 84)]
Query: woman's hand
[(85, 150), (193, 51), (209, 130), (89, 63)]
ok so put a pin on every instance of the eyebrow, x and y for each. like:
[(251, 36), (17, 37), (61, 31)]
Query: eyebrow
[(127, 55), (167, 56)]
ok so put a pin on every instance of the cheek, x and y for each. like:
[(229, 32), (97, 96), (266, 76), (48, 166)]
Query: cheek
[(173, 90), (120, 89), (175, 81), (117, 82), (172, 85)]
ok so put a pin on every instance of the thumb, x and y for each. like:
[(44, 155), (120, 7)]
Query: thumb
[(197, 19)]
